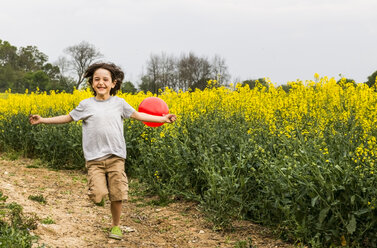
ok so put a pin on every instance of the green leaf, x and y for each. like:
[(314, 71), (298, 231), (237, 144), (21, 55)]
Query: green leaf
[(323, 214), (351, 227), (314, 200), (362, 211), (339, 168), (352, 199)]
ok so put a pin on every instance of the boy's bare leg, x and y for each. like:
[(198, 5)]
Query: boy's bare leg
[(116, 210)]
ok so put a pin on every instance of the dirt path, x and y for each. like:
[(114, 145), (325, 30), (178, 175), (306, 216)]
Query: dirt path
[(79, 223)]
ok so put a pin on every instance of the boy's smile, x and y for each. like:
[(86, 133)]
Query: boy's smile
[(102, 84)]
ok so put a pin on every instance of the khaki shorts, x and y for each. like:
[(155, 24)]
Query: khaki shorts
[(107, 177)]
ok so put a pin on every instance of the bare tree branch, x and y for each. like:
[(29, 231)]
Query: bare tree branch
[(82, 55)]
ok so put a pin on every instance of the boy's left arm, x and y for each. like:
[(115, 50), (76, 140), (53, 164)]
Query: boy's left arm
[(169, 118)]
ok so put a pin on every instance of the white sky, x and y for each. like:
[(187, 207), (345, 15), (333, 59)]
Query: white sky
[(284, 40)]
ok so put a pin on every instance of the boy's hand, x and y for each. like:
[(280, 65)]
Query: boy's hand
[(35, 119), (170, 118)]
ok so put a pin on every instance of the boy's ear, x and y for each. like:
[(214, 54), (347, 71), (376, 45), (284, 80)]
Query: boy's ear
[(114, 83)]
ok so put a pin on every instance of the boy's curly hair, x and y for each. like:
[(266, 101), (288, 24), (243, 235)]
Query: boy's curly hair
[(115, 71)]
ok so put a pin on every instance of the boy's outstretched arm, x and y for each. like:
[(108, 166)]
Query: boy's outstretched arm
[(169, 118), (61, 119)]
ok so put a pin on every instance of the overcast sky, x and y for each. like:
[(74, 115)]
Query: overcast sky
[(283, 40)]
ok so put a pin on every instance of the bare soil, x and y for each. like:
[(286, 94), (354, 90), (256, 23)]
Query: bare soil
[(80, 223)]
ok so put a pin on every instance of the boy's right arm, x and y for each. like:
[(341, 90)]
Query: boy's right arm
[(36, 119)]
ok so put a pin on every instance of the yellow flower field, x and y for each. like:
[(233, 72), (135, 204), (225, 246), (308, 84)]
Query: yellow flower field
[(309, 104), (303, 160)]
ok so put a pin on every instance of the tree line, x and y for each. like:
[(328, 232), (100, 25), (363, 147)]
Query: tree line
[(188, 72), (27, 68)]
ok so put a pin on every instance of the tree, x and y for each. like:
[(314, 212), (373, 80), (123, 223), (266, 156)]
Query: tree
[(8, 61), (30, 58), (129, 87), (161, 72), (194, 72), (82, 55), (8, 54), (168, 72), (66, 83), (286, 87), (220, 70), (146, 84), (63, 64), (38, 79), (344, 82), (52, 71), (153, 72), (372, 79), (25, 68), (187, 72), (9, 77), (254, 82)]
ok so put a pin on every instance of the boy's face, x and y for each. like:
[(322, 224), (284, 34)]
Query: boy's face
[(102, 83)]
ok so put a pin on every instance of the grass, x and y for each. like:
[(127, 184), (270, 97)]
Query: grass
[(137, 188), (12, 155), (37, 163), (136, 220), (101, 203), (38, 198), (15, 226), (80, 178), (245, 244), (48, 220)]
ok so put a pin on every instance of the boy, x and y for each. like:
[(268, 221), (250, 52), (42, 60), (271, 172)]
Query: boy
[(103, 141)]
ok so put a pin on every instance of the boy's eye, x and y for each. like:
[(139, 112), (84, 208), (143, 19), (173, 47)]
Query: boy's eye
[(103, 79)]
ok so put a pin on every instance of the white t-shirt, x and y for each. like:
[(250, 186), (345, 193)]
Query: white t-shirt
[(102, 126)]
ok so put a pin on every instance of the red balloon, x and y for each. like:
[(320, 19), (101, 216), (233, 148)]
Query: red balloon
[(153, 106)]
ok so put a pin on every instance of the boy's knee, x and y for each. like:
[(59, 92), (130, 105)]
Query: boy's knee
[(96, 194), (96, 198)]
